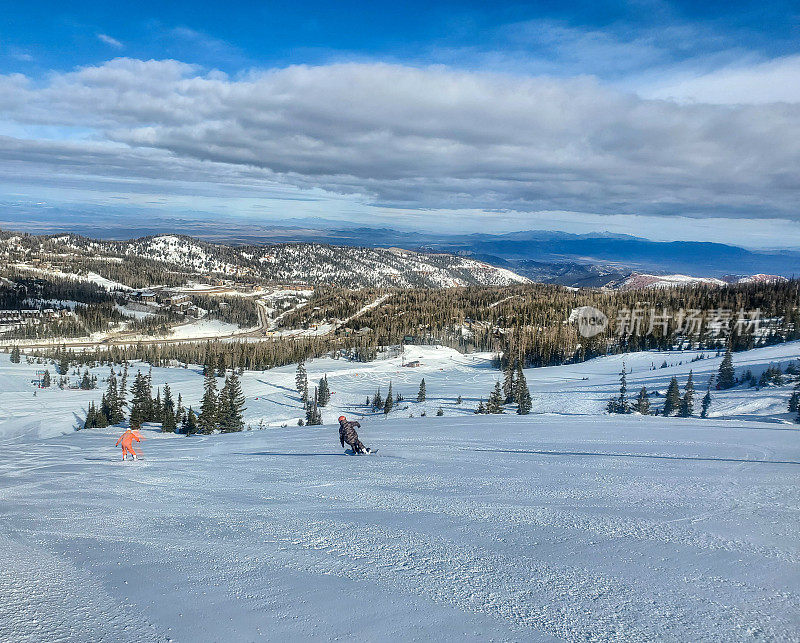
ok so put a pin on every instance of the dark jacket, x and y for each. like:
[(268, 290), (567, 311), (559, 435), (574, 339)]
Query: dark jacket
[(347, 433)]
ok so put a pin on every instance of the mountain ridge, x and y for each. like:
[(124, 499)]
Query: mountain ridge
[(307, 263)]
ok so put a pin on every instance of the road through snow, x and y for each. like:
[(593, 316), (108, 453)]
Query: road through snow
[(513, 528)]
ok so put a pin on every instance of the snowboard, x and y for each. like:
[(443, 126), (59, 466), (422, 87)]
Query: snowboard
[(351, 452)]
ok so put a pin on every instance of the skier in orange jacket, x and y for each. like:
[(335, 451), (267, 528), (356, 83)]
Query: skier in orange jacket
[(127, 439)]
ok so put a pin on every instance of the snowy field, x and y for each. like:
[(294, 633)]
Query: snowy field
[(580, 389), (563, 525), (537, 528)]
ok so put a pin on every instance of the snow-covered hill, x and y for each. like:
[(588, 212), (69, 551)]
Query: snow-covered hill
[(638, 280), (566, 524), (307, 263), (540, 528), (572, 390), (757, 279)]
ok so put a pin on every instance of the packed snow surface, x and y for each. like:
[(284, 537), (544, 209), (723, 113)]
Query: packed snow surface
[(203, 328), (537, 528), (563, 525)]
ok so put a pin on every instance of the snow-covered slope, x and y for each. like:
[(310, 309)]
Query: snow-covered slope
[(537, 529), (562, 525), (761, 279), (576, 389), (638, 280)]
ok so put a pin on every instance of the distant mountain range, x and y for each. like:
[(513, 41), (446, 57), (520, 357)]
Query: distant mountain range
[(292, 263), (614, 253), (582, 260)]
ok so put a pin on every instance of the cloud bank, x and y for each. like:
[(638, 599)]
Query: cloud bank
[(402, 136)]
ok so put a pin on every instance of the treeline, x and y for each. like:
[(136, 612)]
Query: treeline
[(25, 290), (87, 319), (529, 321), (257, 356), (242, 311), (223, 411), (682, 404), (136, 272)]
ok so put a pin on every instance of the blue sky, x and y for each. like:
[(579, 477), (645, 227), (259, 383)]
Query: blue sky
[(42, 36), (676, 118)]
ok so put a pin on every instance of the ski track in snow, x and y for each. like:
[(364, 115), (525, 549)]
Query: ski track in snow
[(544, 527)]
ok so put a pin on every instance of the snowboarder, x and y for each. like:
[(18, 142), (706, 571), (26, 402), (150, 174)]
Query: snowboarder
[(347, 433), (127, 439)]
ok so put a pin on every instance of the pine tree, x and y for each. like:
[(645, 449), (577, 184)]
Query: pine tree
[(16, 358), (158, 409), (122, 393), (481, 409), (521, 393), (387, 405), (86, 381), (706, 404), (309, 408), (524, 403), (440, 412), (459, 400), (112, 409), (495, 402), (94, 418), (508, 382), (231, 405), (237, 406), (207, 421), (46, 379), (313, 414), (324, 392), (726, 378), (224, 408), (221, 366), (643, 402), (301, 381), (149, 403), (140, 401), (422, 392), (168, 411), (180, 412), (108, 398), (622, 401), (377, 400), (89, 423), (794, 400), (63, 366), (673, 401), (687, 403), (190, 427)]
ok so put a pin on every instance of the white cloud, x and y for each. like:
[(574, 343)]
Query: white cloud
[(112, 42), (759, 83), (414, 137)]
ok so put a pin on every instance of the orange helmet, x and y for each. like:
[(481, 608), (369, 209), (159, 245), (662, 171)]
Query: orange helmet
[(342, 418)]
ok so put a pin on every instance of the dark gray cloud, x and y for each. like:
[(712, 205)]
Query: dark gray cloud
[(411, 137)]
